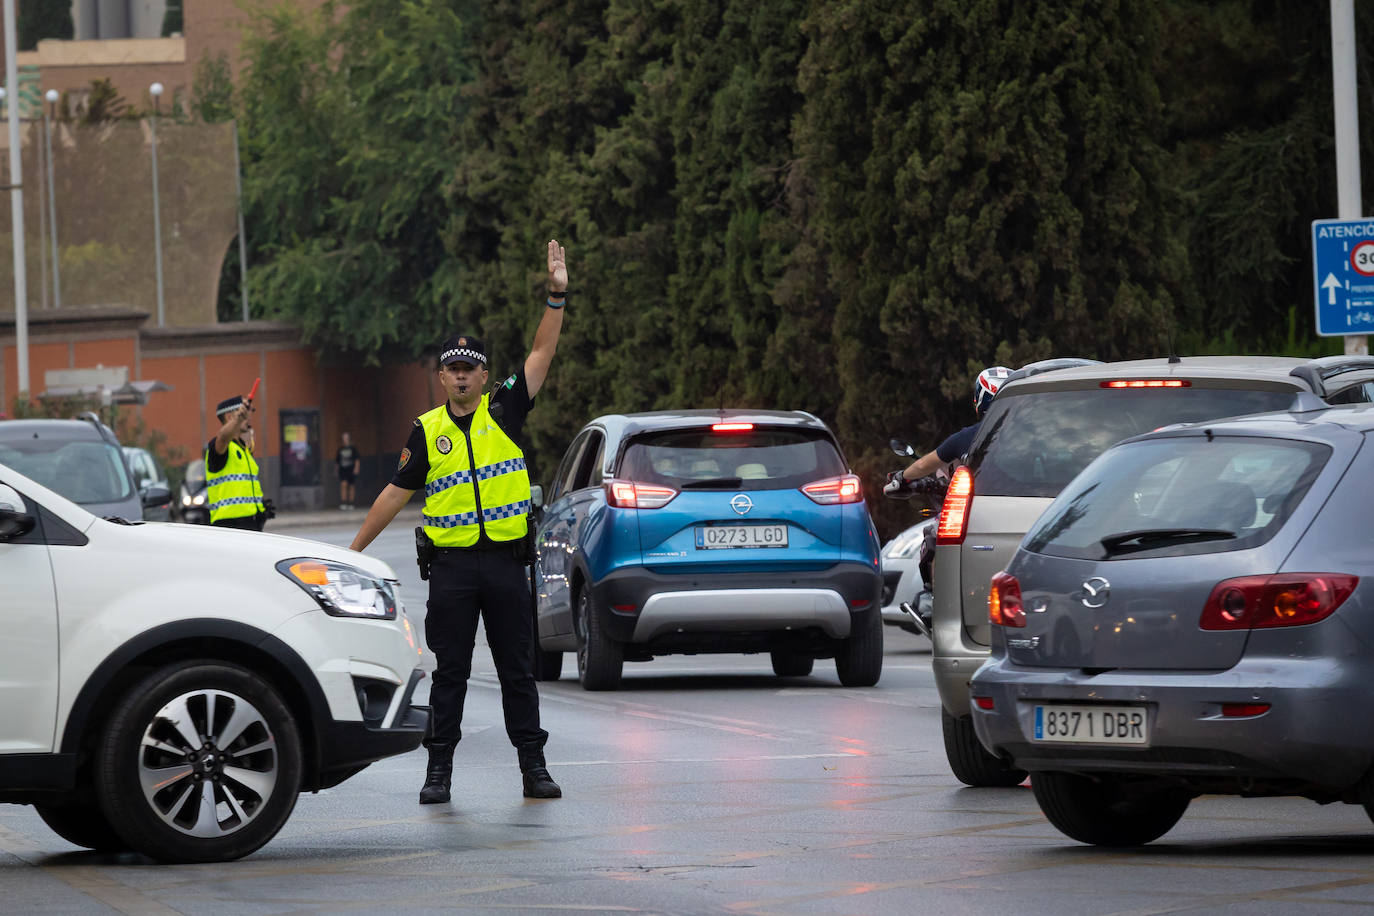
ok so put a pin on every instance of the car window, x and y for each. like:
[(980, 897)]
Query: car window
[(567, 468), (1034, 444), (1176, 496), (589, 467), (757, 459), (1361, 393), (82, 471)]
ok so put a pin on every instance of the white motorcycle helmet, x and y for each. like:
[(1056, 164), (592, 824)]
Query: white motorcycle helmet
[(985, 387)]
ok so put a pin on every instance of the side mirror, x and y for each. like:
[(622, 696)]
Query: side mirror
[(902, 447), (14, 521), (537, 495), (154, 497)]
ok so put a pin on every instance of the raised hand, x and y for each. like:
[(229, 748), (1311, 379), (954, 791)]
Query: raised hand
[(558, 267)]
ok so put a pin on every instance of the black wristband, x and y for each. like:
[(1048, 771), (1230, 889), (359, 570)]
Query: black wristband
[(558, 295)]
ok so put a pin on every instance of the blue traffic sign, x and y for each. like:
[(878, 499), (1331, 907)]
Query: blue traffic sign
[(1343, 275)]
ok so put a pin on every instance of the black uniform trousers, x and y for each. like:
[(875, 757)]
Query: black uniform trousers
[(463, 583)]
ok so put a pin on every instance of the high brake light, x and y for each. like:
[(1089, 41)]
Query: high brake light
[(1283, 600), (627, 494), (1147, 383), (1004, 602), (732, 427), (954, 513), (835, 490)]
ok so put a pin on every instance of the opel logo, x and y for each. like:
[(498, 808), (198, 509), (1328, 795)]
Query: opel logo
[(741, 503), (1096, 591)]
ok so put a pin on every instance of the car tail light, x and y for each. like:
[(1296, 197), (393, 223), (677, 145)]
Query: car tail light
[(954, 513), (627, 494), (1004, 602), (835, 490), (1283, 600), (1147, 383), (1243, 710), (984, 702), (732, 427)]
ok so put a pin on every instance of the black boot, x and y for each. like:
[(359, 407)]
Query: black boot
[(438, 774), (538, 782)]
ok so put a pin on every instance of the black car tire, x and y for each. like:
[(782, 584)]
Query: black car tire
[(969, 760), (791, 664), (253, 779), (600, 659), (1110, 810), (82, 825), (859, 662)]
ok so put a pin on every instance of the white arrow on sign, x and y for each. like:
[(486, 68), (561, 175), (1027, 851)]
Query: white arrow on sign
[(1331, 284)]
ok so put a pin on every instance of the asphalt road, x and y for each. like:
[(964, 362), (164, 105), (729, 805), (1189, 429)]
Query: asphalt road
[(708, 785)]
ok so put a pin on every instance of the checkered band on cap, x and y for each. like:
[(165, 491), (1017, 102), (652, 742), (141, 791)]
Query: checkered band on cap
[(466, 353)]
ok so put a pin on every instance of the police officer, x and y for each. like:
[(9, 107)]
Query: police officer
[(231, 474), (464, 453)]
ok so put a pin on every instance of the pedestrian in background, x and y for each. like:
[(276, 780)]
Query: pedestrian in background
[(465, 453), (347, 463), (233, 490)]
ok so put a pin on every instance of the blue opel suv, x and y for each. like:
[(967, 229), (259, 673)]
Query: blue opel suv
[(707, 531)]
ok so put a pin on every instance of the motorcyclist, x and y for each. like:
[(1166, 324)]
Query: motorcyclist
[(916, 477)]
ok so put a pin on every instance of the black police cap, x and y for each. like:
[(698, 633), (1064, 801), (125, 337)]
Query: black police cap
[(463, 348)]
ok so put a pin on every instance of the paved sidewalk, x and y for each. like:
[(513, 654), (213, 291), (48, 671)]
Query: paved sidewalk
[(293, 519)]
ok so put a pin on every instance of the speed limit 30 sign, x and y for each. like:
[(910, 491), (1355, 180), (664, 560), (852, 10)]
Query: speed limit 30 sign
[(1343, 275)]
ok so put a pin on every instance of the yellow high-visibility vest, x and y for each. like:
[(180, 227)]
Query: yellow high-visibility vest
[(494, 474), (234, 490)]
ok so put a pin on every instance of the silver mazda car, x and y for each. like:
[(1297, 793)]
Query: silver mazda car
[(1193, 614)]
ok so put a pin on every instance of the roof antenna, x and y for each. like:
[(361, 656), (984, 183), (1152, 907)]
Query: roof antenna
[(1173, 354)]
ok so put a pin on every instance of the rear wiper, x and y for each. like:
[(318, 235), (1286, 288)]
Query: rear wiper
[(715, 483), (1150, 538)]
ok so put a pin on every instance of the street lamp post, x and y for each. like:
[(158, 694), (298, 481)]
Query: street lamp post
[(52, 96), (155, 90)]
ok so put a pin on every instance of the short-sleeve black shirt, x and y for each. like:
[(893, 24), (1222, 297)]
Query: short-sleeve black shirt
[(514, 397), (957, 445)]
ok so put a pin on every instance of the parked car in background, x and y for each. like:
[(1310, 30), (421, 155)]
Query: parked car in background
[(1048, 422), (193, 506), (902, 579), (80, 459), (1194, 614), (700, 531), (171, 691), (148, 473)]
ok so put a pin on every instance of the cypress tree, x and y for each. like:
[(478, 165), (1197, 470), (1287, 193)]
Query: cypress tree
[(988, 189)]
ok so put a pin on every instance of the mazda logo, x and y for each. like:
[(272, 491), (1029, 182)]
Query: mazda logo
[(741, 504), (1096, 591)]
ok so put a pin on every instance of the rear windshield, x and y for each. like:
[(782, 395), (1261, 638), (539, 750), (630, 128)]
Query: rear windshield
[(85, 471), (1034, 444), (761, 459), (1177, 496)]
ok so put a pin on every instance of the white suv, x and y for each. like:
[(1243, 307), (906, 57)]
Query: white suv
[(171, 689)]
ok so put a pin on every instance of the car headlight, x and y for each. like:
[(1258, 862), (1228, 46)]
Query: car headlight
[(904, 546), (342, 590), (199, 499)]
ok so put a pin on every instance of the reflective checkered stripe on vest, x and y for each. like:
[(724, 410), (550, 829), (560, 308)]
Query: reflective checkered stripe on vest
[(450, 513), (234, 490)]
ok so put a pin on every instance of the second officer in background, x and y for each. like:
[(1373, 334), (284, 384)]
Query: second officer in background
[(466, 456)]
